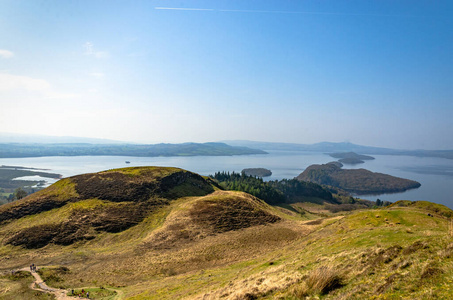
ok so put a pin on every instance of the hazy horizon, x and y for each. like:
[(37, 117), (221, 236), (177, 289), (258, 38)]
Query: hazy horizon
[(374, 73), (47, 139)]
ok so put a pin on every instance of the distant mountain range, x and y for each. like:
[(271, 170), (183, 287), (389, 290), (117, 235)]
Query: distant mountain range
[(79, 149), (23, 145), (329, 147)]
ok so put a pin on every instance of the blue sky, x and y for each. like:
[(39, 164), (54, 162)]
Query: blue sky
[(370, 72)]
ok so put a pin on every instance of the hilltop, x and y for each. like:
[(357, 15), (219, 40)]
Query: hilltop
[(167, 233)]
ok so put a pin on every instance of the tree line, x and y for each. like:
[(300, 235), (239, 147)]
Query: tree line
[(273, 192)]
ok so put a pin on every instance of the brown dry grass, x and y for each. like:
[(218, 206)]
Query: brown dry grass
[(320, 281)]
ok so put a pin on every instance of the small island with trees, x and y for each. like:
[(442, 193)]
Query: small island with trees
[(358, 181), (351, 158), (257, 172)]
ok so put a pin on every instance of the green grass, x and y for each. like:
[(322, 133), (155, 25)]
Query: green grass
[(100, 293), (153, 172)]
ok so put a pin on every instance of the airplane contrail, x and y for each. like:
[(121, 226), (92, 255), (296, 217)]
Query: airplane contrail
[(279, 12), (182, 8)]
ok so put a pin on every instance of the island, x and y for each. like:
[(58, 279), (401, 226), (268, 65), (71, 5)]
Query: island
[(257, 172), (351, 161), (357, 181), (351, 158)]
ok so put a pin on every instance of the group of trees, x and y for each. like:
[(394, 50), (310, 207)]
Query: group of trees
[(249, 184), (273, 192), (380, 202), (19, 193)]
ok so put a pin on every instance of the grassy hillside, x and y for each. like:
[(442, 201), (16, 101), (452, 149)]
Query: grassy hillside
[(185, 238)]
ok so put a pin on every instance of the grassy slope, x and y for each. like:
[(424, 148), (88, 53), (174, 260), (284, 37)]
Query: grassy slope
[(139, 254), (268, 261), (384, 253)]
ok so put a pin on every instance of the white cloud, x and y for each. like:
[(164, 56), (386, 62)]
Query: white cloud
[(89, 50), (13, 83), (6, 53)]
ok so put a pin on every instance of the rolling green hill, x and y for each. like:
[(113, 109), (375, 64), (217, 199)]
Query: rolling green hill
[(166, 233)]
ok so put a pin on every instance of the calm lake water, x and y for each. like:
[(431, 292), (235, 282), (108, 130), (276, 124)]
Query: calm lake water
[(435, 174)]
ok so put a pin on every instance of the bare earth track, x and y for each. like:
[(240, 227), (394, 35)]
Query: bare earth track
[(40, 285)]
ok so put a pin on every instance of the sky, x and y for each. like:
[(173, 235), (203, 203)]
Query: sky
[(377, 73)]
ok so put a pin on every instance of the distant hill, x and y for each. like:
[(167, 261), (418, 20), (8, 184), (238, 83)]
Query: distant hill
[(351, 158), (359, 181), (341, 147), (186, 149), (343, 155), (351, 161)]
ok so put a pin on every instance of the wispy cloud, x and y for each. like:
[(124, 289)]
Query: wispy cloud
[(6, 53), (89, 50), (13, 83)]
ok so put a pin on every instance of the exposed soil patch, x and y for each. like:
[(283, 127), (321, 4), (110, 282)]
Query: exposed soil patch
[(415, 247), (388, 283), (387, 255), (430, 272), (374, 258)]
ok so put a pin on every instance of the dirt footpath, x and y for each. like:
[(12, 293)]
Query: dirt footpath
[(40, 285)]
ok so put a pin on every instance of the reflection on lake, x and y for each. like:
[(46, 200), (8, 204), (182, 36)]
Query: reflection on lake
[(435, 174)]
